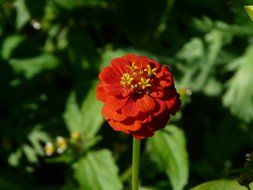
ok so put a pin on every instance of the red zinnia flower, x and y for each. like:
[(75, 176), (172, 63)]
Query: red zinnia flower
[(138, 94)]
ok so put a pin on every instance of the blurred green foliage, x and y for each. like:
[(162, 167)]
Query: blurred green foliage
[(51, 52)]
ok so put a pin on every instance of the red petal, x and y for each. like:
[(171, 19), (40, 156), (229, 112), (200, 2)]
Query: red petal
[(157, 93), (160, 107), (159, 121), (155, 64), (117, 126), (115, 103), (109, 114), (113, 89), (165, 83), (130, 109), (142, 62), (173, 104), (165, 74), (146, 103), (143, 133), (130, 58), (100, 92), (108, 75), (120, 65), (124, 127)]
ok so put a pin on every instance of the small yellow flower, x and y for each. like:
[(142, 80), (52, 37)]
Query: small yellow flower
[(61, 144), (185, 92), (49, 149), (75, 136)]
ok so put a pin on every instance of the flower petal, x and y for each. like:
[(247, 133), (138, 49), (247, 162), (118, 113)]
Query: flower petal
[(130, 109), (100, 92), (143, 133), (110, 114), (124, 127), (157, 93), (117, 126), (119, 65), (142, 62), (146, 103), (113, 89), (130, 58), (115, 103), (160, 107), (173, 104), (108, 75)]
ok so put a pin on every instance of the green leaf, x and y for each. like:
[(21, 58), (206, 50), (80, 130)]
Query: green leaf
[(33, 66), (15, 157), (97, 171), (72, 4), (30, 153), (220, 185), (213, 87), (9, 44), (201, 61), (192, 50), (168, 147), (23, 14), (37, 136), (249, 10), (238, 96), (87, 118)]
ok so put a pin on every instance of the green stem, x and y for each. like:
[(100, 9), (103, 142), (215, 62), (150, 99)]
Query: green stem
[(135, 163)]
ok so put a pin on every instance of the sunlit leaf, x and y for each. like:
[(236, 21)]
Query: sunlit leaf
[(9, 44), (169, 148), (15, 157), (71, 4), (249, 10), (220, 185), (23, 14), (30, 153), (97, 171), (32, 66), (37, 137), (239, 95), (87, 117), (200, 60), (192, 51)]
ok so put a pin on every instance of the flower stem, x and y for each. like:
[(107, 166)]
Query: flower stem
[(135, 163)]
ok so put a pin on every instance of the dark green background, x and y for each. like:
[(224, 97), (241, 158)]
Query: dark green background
[(51, 52)]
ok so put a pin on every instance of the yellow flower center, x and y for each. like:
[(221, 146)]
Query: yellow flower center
[(133, 67), (144, 83), (150, 71), (126, 79), (138, 79)]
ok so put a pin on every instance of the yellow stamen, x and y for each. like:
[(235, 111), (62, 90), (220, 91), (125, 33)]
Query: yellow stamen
[(144, 83), (126, 79), (61, 144), (134, 86), (133, 67), (150, 71), (49, 149)]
